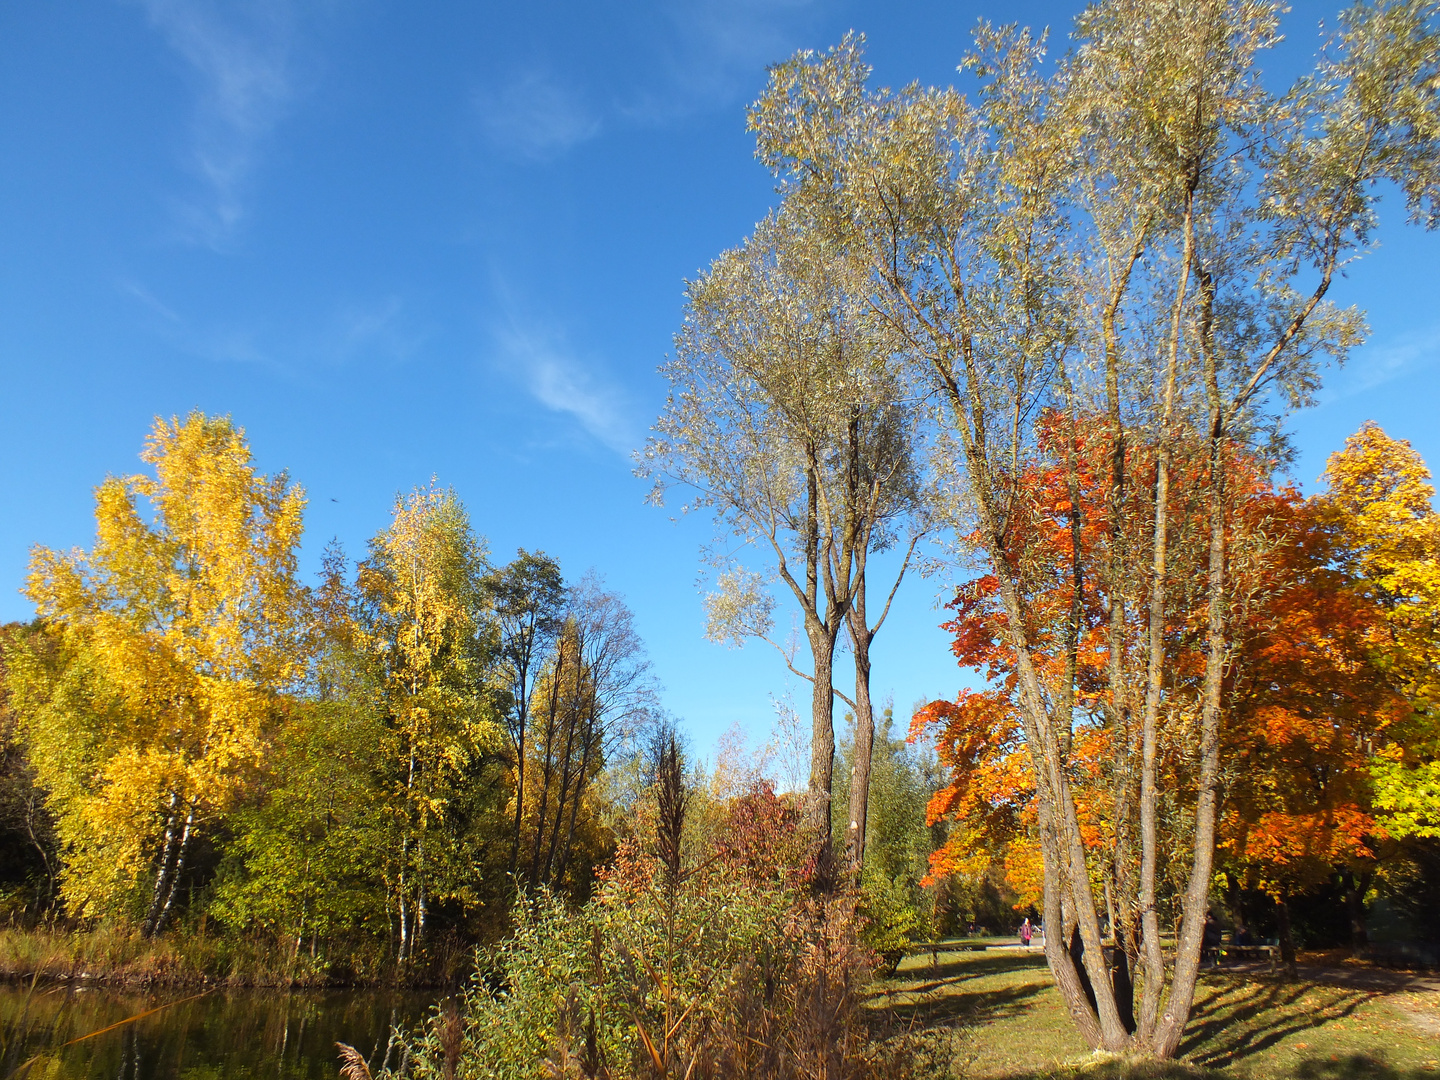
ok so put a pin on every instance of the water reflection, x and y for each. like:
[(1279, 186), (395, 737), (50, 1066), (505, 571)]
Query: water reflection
[(222, 1035)]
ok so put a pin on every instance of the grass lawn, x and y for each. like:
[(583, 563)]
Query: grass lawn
[(997, 1014)]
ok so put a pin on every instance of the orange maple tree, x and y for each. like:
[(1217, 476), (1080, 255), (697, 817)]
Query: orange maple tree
[(1305, 701)]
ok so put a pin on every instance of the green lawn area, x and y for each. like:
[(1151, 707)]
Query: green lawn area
[(997, 1014)]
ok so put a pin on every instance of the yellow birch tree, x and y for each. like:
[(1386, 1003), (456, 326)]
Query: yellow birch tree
[(427, 626), (170, 646)]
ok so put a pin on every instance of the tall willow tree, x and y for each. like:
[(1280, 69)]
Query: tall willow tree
[(155, 693), (1143, 234), (788, 416), (425, 624)]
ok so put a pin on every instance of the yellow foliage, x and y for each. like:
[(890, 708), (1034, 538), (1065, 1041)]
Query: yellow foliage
[(1379, 499), (188, 622), (423, 582), (426, 630)]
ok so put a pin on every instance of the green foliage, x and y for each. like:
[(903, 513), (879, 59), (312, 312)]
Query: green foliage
[(69, 719), (177, 638), (723, 962), (307, 857), (893, 920), (1379, 502), (617, 959), (28, 862)]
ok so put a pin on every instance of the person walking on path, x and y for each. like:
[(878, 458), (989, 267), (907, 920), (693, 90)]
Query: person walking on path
[(1211, 939), (1026, 932)]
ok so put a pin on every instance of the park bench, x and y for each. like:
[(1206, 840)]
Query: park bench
[(934, 948), (1229, 951), (948, 946)]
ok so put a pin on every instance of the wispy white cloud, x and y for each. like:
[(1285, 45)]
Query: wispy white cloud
[(1376, 364), (715, 50), (565, 383), (536, 117), (154, 304), (377, 331), (674, 59), (242, 55)]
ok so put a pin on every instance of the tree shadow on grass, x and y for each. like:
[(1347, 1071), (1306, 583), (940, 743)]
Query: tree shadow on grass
[(1222, 1031), (1346, 1067), (957, 1005), (954, 967), (1355, 1067), (1120, 1069)]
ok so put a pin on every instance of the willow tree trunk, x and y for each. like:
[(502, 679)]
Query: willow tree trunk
[(822, 733), (863, 754), (1196, 902), (1152, 958)]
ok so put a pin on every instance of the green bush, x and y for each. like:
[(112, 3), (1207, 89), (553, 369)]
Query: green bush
[(891, 919), (737, 966)]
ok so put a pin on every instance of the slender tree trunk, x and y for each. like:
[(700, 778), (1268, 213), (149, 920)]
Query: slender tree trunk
[(547, 773), (1154, 960), (1357, 884), (590, 740), (32, 807), (561, 802), (1120, 980), (407, 840), (567, 763), (822, 734), (1196, 904), (1095, 978), (523, 717), (162, 874), (519, 811), (403, 908), (822, 650), (1120, 712), (1062, 843), (864, 748), (182, 848), (862, 635), (1062, 964)]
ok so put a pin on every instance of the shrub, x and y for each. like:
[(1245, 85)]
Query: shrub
[(739, 965)]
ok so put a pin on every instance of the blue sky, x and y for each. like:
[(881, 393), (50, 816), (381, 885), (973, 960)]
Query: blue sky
[(403, 240)]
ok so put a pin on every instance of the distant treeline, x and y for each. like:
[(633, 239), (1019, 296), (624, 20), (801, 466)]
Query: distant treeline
[(212, 768), (196, 739)]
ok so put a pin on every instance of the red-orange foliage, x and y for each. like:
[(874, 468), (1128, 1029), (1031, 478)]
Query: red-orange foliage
[(762, 840), (1308, 707), (1303, 701)]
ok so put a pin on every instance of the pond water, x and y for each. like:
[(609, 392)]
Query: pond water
[(221, 1035)]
